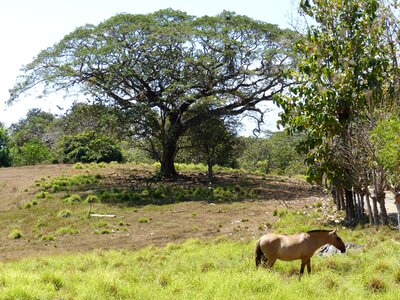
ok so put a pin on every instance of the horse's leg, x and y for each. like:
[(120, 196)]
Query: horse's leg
[(309, 266), (305, 262), (302, 267), (259, 254)]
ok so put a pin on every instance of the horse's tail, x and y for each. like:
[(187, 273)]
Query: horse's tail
[(259, 254)]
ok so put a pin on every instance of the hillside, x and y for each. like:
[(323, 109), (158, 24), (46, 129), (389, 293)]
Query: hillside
[(237, 205)]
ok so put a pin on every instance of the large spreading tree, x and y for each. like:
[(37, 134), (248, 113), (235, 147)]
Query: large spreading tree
[(169, 71)]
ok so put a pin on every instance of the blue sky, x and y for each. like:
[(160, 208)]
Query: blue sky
[(28, 26)]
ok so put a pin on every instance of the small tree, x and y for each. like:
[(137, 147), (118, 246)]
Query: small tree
[(386, 140), (214, 141)]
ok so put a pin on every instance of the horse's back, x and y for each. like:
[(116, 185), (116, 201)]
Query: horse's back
[(283, 247)]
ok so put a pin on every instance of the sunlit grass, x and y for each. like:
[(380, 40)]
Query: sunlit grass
[(207, 270)]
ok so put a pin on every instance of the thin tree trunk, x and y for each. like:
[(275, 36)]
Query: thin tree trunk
[(397, 202), (382, 206), (350, 213), (398, 214), (370, 216), (357, 202), (375, 209), (210, 169), (335, 197)]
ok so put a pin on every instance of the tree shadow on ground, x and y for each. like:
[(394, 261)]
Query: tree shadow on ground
[(124, 188)]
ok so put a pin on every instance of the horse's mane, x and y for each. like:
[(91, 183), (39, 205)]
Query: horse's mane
[(319, 230)]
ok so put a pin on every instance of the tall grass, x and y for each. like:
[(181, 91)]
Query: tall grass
[(207, 270)]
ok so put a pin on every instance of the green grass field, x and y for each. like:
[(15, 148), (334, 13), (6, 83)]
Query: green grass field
[(220, 269)]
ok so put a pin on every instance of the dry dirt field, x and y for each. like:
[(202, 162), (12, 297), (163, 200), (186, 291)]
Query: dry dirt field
[(139, 226)]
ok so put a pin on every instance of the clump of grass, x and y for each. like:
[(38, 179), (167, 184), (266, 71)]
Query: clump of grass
[(31, 203), (279, 212), (56, 281), (41, 224), (42, 195), (78, 166), (164, 280), (65, 213), (397, 276), (143, 220), (67, 230), (92, 199), (48, 237), (375, 285), (103, 231), (71, 199), (15, 234), (102, 165), (100, 224)]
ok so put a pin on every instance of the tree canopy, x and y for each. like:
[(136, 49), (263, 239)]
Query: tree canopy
[(169, 71), (346, 74)]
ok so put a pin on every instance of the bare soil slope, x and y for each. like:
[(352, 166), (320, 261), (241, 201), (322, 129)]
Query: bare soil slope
[(45, 232)]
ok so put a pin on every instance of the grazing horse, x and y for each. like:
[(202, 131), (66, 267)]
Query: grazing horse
[(302, 246)]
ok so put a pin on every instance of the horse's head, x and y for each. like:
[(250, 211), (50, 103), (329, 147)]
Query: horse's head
[(336, 241)]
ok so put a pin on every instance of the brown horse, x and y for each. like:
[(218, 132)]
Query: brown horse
[(302, 246)]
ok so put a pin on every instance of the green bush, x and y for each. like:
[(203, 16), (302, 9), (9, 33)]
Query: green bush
[(5, 159), (31, 153), (90, 147)]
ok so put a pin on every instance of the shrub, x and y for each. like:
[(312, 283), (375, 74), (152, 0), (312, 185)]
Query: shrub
[(30, 153), (90, 147), (5, 159)]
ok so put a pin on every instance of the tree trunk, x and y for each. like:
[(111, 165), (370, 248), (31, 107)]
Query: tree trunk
[(168, 158), (376, 213), (397, 202), (210, 169), (370, 216), (382, 206), (350, 213), (398, 214)]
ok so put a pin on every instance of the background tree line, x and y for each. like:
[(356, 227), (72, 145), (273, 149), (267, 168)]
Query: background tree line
[(95, 133)]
